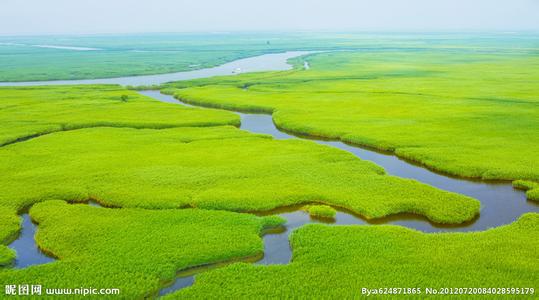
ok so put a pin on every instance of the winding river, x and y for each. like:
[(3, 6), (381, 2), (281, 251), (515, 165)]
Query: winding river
[(500, 203)]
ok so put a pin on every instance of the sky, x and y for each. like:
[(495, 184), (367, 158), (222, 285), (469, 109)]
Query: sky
[(35, 17)]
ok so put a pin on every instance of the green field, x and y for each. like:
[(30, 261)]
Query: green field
[(219, 168), (183, 188), (33, 111), (127, 55), (135, 250), (117, 56), (321, 211), (144, 164), (337, 262), (9, 227), (452, 112), (144, 54)]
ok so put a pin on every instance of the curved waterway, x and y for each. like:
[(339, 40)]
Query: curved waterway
[(28, 253), (500, 203), (266, 62)]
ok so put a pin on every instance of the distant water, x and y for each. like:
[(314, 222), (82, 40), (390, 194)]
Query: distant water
[(266, 62), (53, 47), (67, 47)]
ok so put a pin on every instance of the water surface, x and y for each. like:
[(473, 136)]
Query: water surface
[(28, 253), (67, 47), (266, 62)]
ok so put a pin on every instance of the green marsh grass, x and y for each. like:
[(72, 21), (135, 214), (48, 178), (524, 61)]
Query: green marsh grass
[(33, 111), (6, 256), (144, 54), (220, 168), (463, 113), (119, 56), (173, 178), (321, 211), (336, 262), (531, 188), (135, 250), (9, 226)]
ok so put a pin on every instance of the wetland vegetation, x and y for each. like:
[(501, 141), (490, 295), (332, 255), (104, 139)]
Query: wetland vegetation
[(27, 112), (183, 187), (115, 56), (321, 211), (136, 250), (145, 54), (9, 225), (450, 112), (338, 261), (218, 167)]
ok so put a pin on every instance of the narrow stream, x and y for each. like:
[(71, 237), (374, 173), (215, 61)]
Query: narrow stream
[(500, 203), (27, 251)]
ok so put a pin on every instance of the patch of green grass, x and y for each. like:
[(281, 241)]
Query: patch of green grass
[(213, 168), (531, 188), (135, 250), (6, 255), (463, 113), (321, 211), (336, 262), (9, 226), (31, 111), (9, 223)]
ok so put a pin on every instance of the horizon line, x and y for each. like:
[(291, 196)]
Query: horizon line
[(270, 31)]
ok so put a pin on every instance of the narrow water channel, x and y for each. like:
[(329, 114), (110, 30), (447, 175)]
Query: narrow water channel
[(28, 253), (500, 203)]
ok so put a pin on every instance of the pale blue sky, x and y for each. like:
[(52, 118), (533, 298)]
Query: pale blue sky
[(119, 16)]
